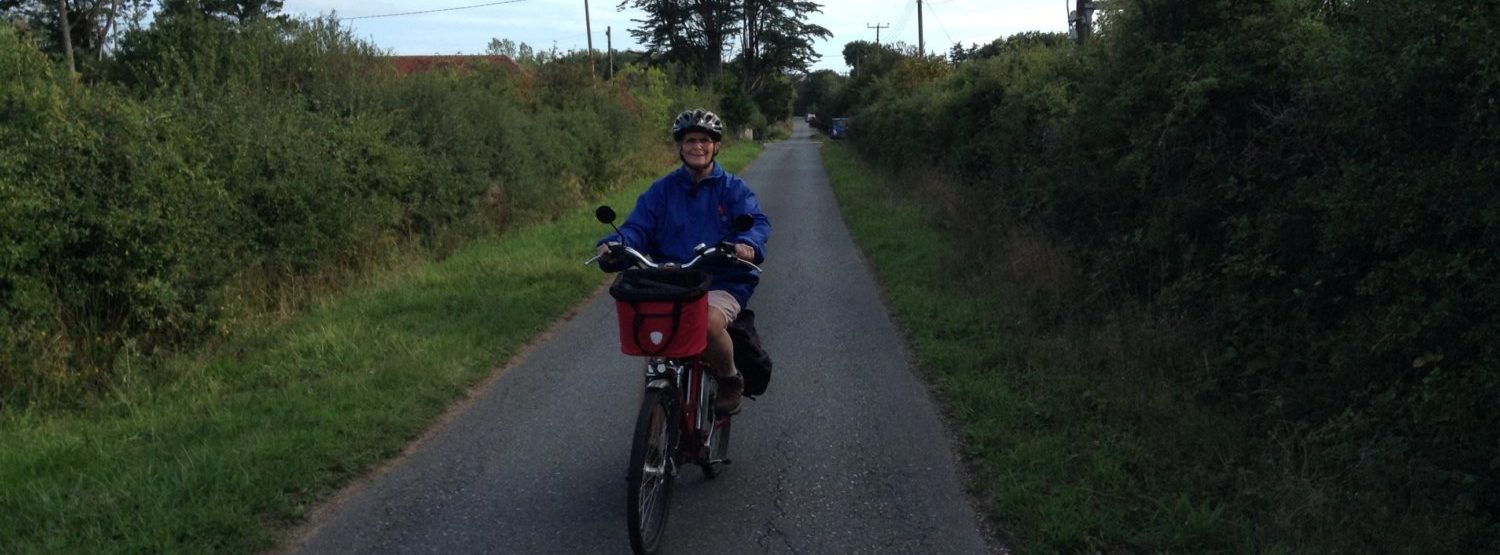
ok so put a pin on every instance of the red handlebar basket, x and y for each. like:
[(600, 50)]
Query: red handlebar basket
[(662, 313)]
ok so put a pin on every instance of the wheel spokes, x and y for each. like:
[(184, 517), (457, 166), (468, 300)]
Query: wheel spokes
[(655, 472)]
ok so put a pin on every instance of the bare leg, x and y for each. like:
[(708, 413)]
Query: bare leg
[(720, 357), (720, 351)]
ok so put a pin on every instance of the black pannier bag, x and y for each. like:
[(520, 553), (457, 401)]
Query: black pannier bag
[(749, 356)]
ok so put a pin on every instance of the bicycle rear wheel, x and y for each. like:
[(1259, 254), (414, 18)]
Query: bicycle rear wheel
[(649, 481)]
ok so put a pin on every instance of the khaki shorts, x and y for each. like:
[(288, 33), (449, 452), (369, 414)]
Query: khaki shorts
[(724, 302)]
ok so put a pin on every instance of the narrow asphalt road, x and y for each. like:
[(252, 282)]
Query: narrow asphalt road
[(846, 453)]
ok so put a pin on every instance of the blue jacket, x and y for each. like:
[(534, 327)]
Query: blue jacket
[(675, 215)]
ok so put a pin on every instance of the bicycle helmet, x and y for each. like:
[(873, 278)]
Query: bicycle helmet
[(698, 120)]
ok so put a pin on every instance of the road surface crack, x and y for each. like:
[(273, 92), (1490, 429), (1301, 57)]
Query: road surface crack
[(771, 535)]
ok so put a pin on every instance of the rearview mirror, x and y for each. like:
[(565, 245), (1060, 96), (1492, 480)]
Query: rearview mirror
[(604, 214)]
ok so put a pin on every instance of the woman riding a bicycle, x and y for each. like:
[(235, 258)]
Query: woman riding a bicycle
[(697, 205)]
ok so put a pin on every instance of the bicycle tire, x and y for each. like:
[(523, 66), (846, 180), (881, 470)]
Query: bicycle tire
[(648, 494)]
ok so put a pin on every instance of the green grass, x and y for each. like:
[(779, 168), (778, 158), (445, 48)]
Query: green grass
[(249, 434), (1077, 442)]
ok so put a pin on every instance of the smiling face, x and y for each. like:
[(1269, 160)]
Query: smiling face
[(697, 150)]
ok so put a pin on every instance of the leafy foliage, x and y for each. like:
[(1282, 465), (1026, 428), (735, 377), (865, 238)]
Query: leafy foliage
[(693, 33), (222, 169), (1311, 183), (778, 41), (92, 24), (691, 40), (237, 11), (1006, 45)]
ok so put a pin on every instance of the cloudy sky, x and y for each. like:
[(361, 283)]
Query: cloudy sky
[(547, 23)]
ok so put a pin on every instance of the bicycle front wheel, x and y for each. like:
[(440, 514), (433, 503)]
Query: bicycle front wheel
[(649, 481)]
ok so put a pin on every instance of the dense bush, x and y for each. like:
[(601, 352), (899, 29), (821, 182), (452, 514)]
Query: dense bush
[(1314, 182), (214, 170)]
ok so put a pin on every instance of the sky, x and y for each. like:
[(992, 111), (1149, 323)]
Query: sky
[(544, 24)]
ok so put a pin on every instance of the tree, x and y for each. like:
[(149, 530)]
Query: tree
[(816, 90), (870, 59), (774, 97), (521, 53), (687, 32), (90, 23), (240, 11), (1008, 45), (957, 54), (66, 30), (777, 40)]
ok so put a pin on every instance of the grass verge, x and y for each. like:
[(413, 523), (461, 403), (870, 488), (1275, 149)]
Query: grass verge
[(254, 431), (1078, 441)]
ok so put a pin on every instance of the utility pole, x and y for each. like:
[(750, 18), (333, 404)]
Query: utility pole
[(877, 29), (921, 42), (588, 27), (609, 42)]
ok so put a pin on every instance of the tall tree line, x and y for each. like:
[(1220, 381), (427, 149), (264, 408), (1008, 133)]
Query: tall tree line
[(777, 40), (774, 37), (84, 29), (65, 27)]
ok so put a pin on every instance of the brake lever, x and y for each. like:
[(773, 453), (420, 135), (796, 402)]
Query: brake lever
[(728, 250), (615, 248)]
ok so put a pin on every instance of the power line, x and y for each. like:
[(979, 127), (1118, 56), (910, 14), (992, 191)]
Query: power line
[(433, 11), (905, 18), (940, 25)]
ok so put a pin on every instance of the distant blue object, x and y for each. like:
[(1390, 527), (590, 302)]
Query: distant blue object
[(840, 128)]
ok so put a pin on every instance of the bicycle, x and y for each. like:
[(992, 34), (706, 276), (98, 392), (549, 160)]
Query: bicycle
[(677, 424)]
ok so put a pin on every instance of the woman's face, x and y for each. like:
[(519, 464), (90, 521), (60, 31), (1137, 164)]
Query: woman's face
[(697, 149)]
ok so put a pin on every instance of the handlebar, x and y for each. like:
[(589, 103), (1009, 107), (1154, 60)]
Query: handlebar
[(705, 253)]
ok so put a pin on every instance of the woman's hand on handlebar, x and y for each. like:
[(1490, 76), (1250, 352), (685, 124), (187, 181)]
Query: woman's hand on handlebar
[(606, 253), (744, 252), (610, 255)]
